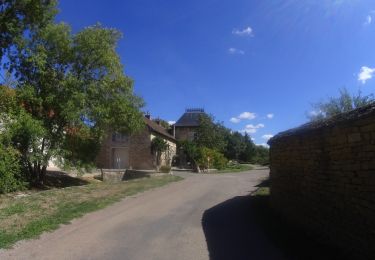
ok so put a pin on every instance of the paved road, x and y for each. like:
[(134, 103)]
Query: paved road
[(201, 217)]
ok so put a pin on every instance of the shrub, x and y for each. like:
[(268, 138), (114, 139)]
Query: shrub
[(11, 178), (210, 157), (165, 169), (219, 162)]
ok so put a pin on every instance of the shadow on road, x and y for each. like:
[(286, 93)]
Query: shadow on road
[(244, 227)]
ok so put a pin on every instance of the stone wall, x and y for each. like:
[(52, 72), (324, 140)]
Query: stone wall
[(323, 179)]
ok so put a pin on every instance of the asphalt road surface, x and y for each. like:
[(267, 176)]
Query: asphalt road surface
[(200, 217)]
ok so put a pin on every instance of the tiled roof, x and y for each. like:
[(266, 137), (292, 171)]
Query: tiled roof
[(158, 128), (190, 117)]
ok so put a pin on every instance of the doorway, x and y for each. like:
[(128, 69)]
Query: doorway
[(120, 158)]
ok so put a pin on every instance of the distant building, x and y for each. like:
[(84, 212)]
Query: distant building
[(185, 127)]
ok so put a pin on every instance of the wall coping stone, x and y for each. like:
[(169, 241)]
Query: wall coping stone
[(344, 118)]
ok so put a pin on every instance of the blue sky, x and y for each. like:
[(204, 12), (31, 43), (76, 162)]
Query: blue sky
[(240, 60)]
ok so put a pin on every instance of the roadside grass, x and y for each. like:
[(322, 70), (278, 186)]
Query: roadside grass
[(28, 217), (236, 168)]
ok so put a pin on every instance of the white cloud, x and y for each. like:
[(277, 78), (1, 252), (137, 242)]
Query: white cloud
[(267, 136), (252, 129), (270, 116), (247, 115), (365, 74), (235, 120), (368, 20), (249, 131), (171, 122), (236, 51), (248, 31), (243, 116)]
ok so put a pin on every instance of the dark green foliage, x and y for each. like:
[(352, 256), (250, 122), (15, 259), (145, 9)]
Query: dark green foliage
[(210, 134), (18, 16), (80, 149), (10, 170), (162, 122), (261, 155), (235, 146), (345, 102)]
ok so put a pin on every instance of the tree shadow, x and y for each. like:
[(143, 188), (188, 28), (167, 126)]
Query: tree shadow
[(58, 179), (245, 227), (264, 183)]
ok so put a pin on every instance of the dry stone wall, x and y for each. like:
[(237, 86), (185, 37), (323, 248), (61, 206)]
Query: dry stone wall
[(323, 179)]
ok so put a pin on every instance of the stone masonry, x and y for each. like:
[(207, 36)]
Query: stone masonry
[(323, 179)]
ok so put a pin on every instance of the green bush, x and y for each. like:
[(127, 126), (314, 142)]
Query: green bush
[(165, 169), (11, 178), (210, 157)]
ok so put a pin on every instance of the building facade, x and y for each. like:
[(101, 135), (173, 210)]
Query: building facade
[(121, 151), (186, 126)]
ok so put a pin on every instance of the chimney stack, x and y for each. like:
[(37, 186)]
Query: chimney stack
[(147, 115)]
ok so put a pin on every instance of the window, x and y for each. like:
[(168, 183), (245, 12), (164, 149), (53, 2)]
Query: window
[(118, 137)]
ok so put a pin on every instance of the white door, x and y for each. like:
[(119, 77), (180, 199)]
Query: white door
[(120, 158)]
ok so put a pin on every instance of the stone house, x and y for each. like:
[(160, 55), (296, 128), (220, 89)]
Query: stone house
[(186, 126), (185, 129), (120, 151)]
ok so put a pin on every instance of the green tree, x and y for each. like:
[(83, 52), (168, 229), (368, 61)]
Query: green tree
[(210, 134), (261, 155), (19, 16), (69, 87), (162, 122), (236, 145), (249, 151), (192, 151), (158, 147), (345, 102)]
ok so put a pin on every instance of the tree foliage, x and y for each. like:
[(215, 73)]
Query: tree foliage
[(70, 89), (158, 147), (214, 144), (211, 134), (20, 16), (345, 102)]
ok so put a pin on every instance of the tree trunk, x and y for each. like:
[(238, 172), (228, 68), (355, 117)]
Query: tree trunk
[(43, 173), (196, 167)]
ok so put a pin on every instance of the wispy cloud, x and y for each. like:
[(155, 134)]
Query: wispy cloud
[(248, 31), (171, 122), (243, 116), (267, 136), (235, 120), (365, 74), (270, 116), (252, 129), (236, 51), (368, 20)]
